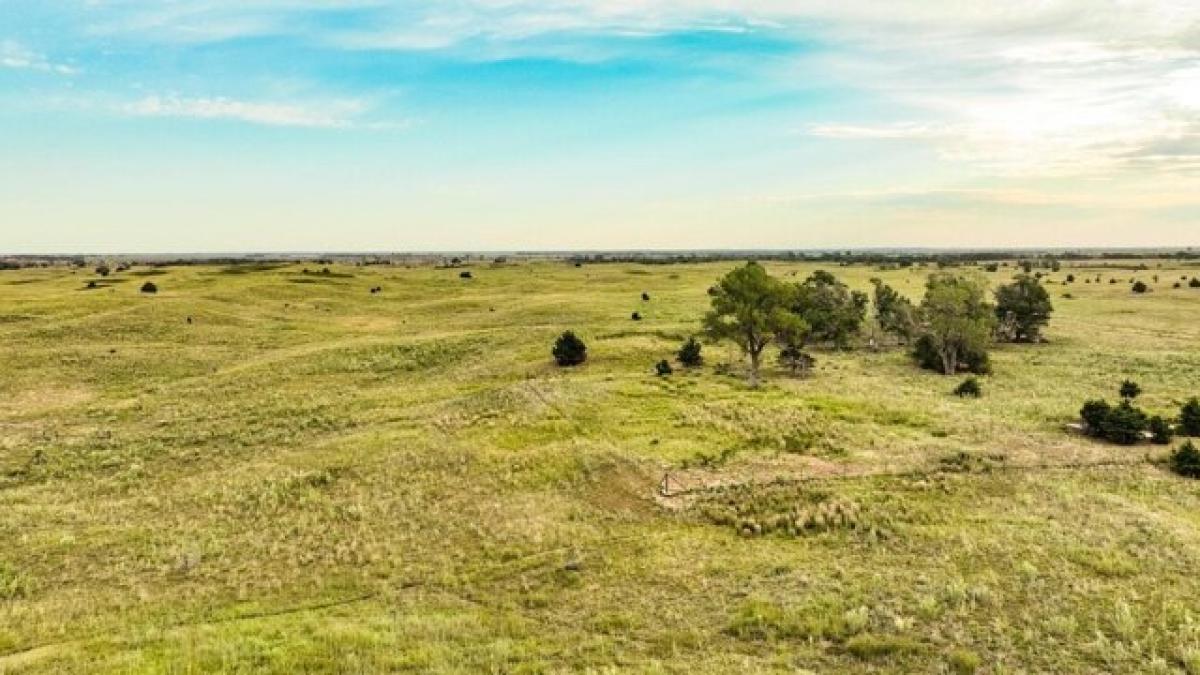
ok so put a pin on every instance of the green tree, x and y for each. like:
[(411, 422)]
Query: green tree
[(956, 318), (1022, 308), (832, 311), (751, 308), (895, 313)]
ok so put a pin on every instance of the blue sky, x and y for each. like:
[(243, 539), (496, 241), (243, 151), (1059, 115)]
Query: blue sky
[(219, 125)]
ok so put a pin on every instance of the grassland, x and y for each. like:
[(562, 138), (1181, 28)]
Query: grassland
[(308, 477)]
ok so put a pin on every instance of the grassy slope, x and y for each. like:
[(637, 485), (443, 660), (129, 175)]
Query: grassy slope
[(311, 477)]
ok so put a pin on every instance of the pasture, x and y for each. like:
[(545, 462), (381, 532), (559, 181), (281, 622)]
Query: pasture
[(307, 476)]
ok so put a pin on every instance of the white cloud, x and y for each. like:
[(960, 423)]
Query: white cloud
[(1079, 94), (16, 56), (328, 116), (1027, 87)]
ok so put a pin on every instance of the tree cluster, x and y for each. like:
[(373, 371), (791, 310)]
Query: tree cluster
[(755, 310)]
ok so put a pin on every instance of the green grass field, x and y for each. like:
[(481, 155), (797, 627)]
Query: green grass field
[(312, 478)]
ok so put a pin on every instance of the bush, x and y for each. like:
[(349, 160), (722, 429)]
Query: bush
[(1070, 278), (1189, 418), (636, 316), (103, 270), (964, 662), (1140, 287), (569, 350), (663, 368), (1160, 430), (969, 388), (1095, 416), (646, 297), (149, 287), (1126, 424), (689, 354), (1130, 390), (1194, 283), (1185, 461), (796, 360), (465, 275)]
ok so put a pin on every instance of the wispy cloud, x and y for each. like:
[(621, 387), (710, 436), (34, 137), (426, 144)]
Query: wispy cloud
[(16, 56), (1045, 114), (337, 115)]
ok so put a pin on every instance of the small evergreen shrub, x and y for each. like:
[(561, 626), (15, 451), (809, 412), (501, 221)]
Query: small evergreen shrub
[(149, 287), (1160, 430), (663, 368), (1130, 390), (1095, 416), (636, 316), (1123, 424), (646, 297), (465, 275), (689, 354), (569, 350), (1126, 424), (1185, 460), (1194, 283), (1189, 417), (1140, 287), (969, 388)]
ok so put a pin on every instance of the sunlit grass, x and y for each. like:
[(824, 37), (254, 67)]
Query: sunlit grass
[(311, 477)]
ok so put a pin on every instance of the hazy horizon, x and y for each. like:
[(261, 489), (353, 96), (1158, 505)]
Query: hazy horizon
[(898, 251), (144, 127)]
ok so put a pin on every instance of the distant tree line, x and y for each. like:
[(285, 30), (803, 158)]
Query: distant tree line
[(992, 258)]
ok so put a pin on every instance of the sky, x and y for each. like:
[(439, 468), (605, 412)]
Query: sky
[(472, 125)]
